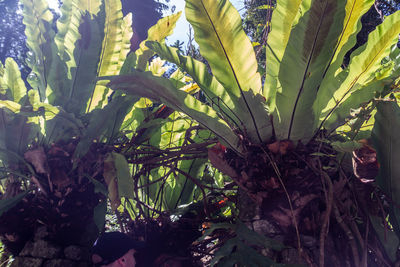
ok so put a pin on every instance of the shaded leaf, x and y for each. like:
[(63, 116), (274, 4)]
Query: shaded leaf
[(162, 90), (125, 181), (6, 204), (366, 60), (387, 144)]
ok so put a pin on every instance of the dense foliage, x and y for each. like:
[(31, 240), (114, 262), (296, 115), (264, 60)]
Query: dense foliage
[(286, 135), (292, 161)]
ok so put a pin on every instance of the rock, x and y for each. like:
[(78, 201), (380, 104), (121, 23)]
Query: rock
[(291, 256), (264, 227), (40, 249), (76, 253), (59, 263), (44, 249), (41, 233), (26, 262), (26, 251)]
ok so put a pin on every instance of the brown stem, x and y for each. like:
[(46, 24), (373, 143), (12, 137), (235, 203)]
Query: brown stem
[(364, 261), (196, 182), (278, 174), (121, 225), (155, 181), (324, 228), (147, 206), (349, 235)]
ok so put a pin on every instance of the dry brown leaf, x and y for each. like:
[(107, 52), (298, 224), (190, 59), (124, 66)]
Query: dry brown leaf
[(38, 159), (60, 179), (365, 163), (218, 162)]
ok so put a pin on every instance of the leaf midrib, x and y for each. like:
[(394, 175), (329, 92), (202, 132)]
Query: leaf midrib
[(306, 70), (233, 72)]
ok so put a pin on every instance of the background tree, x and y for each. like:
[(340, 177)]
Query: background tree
[(256, 23), (258, 13), (12, 37), (145, 14)]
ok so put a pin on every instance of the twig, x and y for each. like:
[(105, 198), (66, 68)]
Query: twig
[(278, 174), (147, 206), (364, 262), (196, 182), (357, 233), (349, 235), (121, 225), (379, 256), (324, 228), (329, 203), (161, 190), (155, 181)]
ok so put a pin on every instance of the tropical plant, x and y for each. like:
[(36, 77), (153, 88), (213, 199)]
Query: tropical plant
[(68, 141), (256, 23), (287, 134), (60, 138)]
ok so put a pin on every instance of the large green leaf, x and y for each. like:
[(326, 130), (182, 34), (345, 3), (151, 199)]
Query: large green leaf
[(223, 42), (39, 33), (284, 17), (73, 88), (104, 124), (163, 90), (68, 32), (354, 10), (15, 132), (91, 6), (78, 41), (163, 28), (308, 52), (387, 143), (72, 16), (383, 80), (6, 204), (365, 61), (125, 181), (86, 55), (216, 94), (12, 81), (218, 31), (115, 47)]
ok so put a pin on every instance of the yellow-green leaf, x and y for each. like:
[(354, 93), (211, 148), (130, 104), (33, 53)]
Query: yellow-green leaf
[(163, 28), (12, 80), (361, 70), (162, 90), (115, 47), (10, 105), (284, 17), (218, 31), (38, 19)]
